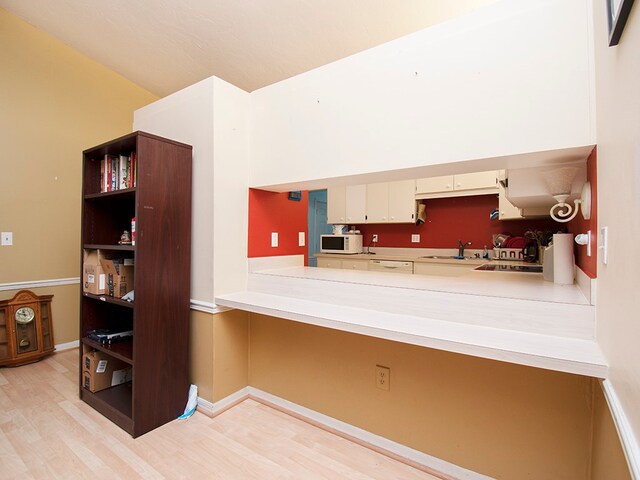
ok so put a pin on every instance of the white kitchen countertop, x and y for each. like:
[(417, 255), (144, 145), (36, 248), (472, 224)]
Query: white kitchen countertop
[(513, 317)]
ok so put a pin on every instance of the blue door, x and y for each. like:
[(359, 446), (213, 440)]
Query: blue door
[(317, 223)]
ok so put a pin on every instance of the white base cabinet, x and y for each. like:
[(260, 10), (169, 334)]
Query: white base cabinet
[(346, 264)]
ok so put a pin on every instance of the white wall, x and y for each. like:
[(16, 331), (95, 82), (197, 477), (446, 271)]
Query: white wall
[(511, 78), (187, 116), (231, 109), (212, 116), (618, 133)]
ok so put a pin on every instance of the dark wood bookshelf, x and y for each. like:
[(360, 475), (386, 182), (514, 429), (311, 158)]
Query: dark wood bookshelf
[(158, 351), (125, 248), (120, 350), (108, 299)]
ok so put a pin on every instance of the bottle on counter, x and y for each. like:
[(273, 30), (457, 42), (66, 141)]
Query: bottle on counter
[(485, 253)]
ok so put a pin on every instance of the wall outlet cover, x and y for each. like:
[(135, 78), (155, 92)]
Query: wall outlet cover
[(301, 239), (415, 238), (7, 239), (274, 239)]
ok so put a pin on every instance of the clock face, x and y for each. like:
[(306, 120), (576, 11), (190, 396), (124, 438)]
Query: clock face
[(25, 315)]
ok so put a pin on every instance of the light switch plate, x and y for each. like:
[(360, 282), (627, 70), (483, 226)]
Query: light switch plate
[(415, 238), (274, 239), (7, 239), (301, 240)]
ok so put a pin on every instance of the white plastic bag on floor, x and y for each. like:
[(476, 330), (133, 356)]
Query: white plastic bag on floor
[(192, 402)]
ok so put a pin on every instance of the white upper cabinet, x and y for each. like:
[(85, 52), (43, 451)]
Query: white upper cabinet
[(346, 205), (378, 202), (356, 208), (391, 202), (336, 204), (402, 201), (472, 181), (434, 184), (506, 209), (478, 183)]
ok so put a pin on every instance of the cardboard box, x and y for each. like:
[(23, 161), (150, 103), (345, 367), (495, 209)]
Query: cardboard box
[(93, 278), (100, 371), (118, 277)]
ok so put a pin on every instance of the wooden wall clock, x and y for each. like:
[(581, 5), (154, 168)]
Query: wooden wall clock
[(26, 333)]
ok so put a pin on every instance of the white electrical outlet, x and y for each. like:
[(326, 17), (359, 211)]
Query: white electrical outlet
[(301, 239), (375, 238), (415, 238), (274, 239), (7, 239)]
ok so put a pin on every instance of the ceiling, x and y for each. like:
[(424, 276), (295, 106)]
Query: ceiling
[(166, 45)]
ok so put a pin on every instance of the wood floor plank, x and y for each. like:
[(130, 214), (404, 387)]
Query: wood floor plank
[(47, 432)]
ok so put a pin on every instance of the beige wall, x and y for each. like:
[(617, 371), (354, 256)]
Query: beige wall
[(496, 418), (219, 353), (54, 103), (618, 134), (608, 461)]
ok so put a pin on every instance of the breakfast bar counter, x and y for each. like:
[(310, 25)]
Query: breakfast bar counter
[(511, 317)]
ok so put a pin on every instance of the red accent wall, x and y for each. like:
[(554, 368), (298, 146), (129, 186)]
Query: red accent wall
[(589, 265), (274, 212), (453, 219)]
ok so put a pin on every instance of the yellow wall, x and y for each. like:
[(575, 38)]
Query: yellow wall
[(219, 353), (54, 103), (499, 419), (608, 461)]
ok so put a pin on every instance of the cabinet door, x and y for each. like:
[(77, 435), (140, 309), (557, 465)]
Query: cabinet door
[(356, 204), (336, 205), (378, 202), (434, 184), (329, 263), (402, 201), (506, 209), (355, 264), (473, 181)]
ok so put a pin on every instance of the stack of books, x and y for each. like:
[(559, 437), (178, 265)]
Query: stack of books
[(118, 172)]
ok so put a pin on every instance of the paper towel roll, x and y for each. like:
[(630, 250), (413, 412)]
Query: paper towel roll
[(563, 262)]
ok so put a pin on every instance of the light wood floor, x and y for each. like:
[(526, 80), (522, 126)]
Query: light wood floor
[(47, 432)]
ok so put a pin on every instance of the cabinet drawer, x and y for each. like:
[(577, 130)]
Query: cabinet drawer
[(355, 264), (329, 263)]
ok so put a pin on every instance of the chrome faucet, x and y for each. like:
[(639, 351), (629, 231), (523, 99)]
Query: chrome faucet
[(461, 247)]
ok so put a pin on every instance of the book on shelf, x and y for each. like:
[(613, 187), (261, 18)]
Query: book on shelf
[(117, 172)]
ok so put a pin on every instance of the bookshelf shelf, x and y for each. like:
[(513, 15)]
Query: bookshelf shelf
[(159, 317)]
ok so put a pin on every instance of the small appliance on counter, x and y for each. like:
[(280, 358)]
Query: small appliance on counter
[(339, 229), (344, 244)]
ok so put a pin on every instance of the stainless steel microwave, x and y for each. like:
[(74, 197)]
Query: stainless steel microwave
[(347, 244)]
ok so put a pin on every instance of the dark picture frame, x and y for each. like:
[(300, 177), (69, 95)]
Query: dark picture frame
[(617, 15)]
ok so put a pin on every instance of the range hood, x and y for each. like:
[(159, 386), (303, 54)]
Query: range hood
[(526, 187)]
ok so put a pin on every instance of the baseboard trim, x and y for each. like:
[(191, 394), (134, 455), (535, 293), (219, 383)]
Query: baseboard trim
[(207, 307), (625, 432), (54, 282), (61, 347), (384, 446), (216, 408)]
